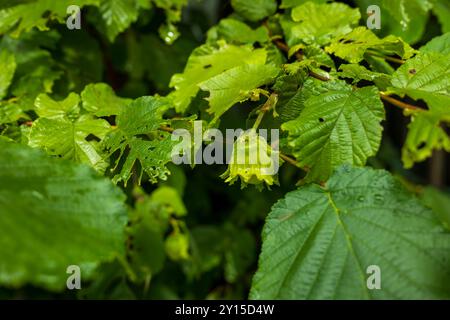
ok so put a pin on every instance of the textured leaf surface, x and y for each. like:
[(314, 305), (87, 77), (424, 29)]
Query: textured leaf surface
[(138, 140), (118, 15), (358, 73), (318, 242), (207, 62), (355, 44), (319, 23), (339, 126), (54, 214), (424, 136), (101, 100), (427, 77), (439, 44), (236, 85), (26, 16), (67, 139), (235, 31), (61, 131)]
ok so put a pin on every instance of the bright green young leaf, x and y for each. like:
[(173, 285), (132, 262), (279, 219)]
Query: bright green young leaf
[(10, 113), (46, 107), (254, 10), (138, 140), (424, 136), (206, 62), (235, 31), (118, 15), (294, 3), (319, 23), (170, 199), (31, 14), (426, 77), (101, 100), (236, 85), (339, 126), (439, 44), (62, 132), (8, 67), (67, 139), (358, 72), (361, 40), (321, 243), (171, 7), (54, 214)]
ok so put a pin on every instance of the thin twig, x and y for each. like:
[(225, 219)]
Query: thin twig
[(289, 160), (399, 103), (392, 59), (166, 129)]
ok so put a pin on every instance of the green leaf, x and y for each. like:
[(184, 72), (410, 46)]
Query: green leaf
[(67, 139), (36, 70), (8, 67), (355, 44), (149, 221), (424, 136), (399, 9), (291, 95), (441, 8), (171, 7), (138, 140), (235, 31), (339, 126), (318, 242), (206, 62), (26, 16), (236, 85), (46, 107), (118, 15), (439, 44), (405, 19), (101, 100), (426, 77), (254, 10), (294, 3), (54, 214), (62, 132), (319, 23), (358, 72)]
